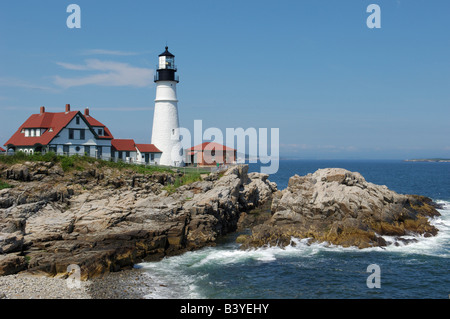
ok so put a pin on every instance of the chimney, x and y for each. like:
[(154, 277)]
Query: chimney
[(86, 111), (67, 108), (42, 110)]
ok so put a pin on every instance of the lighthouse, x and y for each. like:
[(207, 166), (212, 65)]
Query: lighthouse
[(165, 132)]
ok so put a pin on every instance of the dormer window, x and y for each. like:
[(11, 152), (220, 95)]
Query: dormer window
[(100, 132), (77, 120)]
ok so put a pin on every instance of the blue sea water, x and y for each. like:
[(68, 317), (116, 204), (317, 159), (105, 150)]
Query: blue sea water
[(417, 270)]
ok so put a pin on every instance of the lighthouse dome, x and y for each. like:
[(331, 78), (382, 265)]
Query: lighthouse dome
[(167, 53)]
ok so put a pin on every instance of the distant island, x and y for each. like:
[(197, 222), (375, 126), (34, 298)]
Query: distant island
[(438, 160)]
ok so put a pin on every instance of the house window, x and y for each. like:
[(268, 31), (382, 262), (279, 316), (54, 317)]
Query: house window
[(77, 148), (66, 149), (100, 132), (127, 154), (87, 150), (82, 135), (152, 157), (78, 120), (71, 130), (120, 154)]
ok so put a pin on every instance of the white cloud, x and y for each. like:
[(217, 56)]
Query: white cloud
[(70, 66), (108, 52), (111, 74), (13, 82)]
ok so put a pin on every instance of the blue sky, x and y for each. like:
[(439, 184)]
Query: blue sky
[(335, 88)]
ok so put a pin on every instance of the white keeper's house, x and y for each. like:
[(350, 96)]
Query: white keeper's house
[(73, 132)]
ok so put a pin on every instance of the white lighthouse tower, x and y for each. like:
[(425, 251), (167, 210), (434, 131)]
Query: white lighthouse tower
[(165, 132)]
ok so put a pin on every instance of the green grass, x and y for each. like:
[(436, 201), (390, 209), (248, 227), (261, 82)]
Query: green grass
[(20, 157), (80, 163), (186, 179), (4, 185), (140, 169)]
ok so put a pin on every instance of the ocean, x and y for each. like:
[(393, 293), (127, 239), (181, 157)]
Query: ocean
[(322, 271)]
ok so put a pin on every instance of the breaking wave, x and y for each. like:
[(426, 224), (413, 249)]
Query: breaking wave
[(197, 274)]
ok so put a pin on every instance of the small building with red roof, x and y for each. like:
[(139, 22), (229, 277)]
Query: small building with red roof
[(2, 150), (128, 151), (148, 154), (210, 154), (68, 132)]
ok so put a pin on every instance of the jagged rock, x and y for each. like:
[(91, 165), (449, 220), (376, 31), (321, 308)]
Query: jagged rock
[(117, 218), (10, 242), (11, 264), (342, 208), (18, 172)]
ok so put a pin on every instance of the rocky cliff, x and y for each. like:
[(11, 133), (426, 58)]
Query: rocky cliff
[(104, 219), (340, 207)]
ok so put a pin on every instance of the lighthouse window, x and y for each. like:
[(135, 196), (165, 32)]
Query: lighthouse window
[(169, 62), (173, 132)]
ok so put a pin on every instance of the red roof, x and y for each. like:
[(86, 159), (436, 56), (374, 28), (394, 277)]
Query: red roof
[(123, 145), (209, 146), (147, 148), (2, 150), (54, 121), (94, 122)]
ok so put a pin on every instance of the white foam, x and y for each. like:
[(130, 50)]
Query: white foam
[(438, 245), (177, 282)]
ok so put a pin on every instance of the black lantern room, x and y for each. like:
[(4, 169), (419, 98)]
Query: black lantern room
[(166, 67)]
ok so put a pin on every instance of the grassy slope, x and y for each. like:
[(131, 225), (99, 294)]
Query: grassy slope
[(69, 163)]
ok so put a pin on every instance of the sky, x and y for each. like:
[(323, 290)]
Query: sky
[(334, 87)]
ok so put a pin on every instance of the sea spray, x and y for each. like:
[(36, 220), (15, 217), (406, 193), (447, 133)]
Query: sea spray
[(303, 269)]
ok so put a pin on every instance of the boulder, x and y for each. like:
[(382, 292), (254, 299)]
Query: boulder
[(11, 264), (340, 207), (18, 172)]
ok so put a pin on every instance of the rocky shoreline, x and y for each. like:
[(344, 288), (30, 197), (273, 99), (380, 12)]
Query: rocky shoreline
[(340, 207), (106, 220), (124, 284)]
